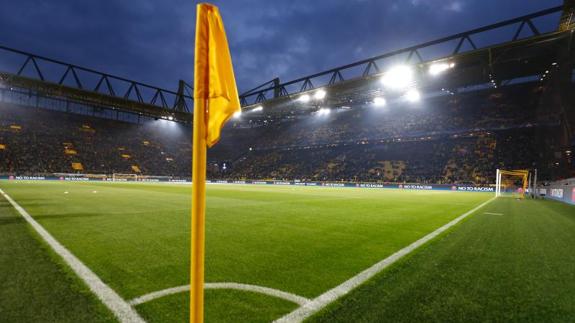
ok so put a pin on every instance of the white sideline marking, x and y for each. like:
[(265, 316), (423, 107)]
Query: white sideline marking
[(121, 309), (492, 213), (246, 287), (318, 303)]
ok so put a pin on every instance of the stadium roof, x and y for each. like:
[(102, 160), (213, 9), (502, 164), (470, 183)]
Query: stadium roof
[(522, 49)]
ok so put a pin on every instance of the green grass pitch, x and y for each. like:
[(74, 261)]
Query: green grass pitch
[(301, 240)]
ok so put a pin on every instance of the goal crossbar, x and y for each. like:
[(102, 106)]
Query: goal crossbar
[(522, 173)]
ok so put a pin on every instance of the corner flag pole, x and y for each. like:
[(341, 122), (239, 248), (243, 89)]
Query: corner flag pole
[(198, 214), (215, 101), (199, 159)]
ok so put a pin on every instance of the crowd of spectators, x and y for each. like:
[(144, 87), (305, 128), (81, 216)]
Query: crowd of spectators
[(38, 142), (447, 139), (470, 158)]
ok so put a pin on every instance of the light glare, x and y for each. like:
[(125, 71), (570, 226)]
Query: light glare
[(304, 98), (413, 96), (398, 77), (323, 111), (258, 108), (379, 101), (319, 95), (438, 68), (237, 114)]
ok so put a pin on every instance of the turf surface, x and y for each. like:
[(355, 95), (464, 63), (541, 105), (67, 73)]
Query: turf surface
[(515, 267), (34, 285), (302, 240), (224, 306)]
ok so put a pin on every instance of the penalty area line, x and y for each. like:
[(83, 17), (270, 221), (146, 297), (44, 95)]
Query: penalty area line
[(323, 300), (114, 302)]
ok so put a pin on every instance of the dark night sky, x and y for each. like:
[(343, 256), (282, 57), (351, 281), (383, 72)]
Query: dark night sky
[(152, 40)]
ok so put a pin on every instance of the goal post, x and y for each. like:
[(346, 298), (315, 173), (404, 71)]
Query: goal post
[(116, 177), (512, 183)]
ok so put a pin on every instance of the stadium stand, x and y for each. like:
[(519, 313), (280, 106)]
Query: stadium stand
[(456, 139), (43, 142)]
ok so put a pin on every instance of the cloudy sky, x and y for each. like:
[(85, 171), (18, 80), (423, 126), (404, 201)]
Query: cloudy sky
[(152, 40)]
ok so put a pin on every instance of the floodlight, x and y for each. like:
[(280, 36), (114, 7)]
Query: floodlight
[(438, 68), (319, 95), (379, 101), (413, 95), (258, 108), (304, 98), (170, 118), (237, 114), (398, 77)]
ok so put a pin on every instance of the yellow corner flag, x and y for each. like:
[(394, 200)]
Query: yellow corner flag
[(214, 73), (215, 101)]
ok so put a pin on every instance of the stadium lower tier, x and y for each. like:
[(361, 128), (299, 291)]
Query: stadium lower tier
[(36, 141), (39, 141), (469, 158)]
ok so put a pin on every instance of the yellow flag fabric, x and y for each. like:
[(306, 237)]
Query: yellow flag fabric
[(214, 80)]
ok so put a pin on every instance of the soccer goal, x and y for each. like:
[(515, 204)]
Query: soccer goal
[(511, 183), (124, 177)]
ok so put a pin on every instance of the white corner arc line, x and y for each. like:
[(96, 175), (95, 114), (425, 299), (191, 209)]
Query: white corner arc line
[(121, 309), (244, 287), (300, 300), (318, 303)]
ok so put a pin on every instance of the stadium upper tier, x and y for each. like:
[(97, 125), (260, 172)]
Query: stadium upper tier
[(446, 139)]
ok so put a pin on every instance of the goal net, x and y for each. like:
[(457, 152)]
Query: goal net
[(512, 183)]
